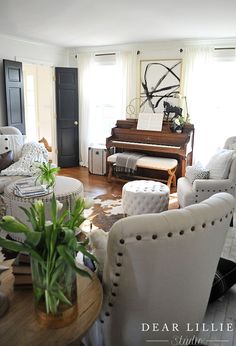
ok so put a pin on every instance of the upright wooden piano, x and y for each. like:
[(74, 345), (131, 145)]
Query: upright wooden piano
[(165, 143)]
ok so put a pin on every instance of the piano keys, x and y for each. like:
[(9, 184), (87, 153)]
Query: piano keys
[(126, 137)]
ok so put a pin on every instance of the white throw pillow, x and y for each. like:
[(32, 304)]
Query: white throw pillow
[(219, 164), (196, 171)]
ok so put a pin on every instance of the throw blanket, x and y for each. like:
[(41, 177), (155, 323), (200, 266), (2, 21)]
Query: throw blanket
[(127, 162), (33, 154)]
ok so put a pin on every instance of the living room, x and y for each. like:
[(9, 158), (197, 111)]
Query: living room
[(134, 103)]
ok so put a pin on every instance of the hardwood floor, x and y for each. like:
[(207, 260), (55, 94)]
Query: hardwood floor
[(94, 185)]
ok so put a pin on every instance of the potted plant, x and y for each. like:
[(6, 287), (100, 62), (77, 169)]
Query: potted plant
[(47, 174), (53, 246), (178, 123)]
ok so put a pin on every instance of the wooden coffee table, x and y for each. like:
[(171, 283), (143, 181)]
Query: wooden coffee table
[(19, 326)]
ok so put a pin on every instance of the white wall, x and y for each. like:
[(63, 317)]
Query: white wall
[(153, 50), (26, 51)]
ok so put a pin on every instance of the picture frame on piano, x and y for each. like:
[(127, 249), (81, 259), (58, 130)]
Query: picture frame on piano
[(160, 80)]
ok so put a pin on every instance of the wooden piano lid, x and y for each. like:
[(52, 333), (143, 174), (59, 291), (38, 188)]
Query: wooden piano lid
[(132, 124), (127, 124)]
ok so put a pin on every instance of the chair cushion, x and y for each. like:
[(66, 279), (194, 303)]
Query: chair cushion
[(219, 164), (6, 159), (197, 171), (225, 278), (159, 163)]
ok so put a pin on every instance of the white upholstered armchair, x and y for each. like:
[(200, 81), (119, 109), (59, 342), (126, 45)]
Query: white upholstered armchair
[(191, 193), (159, 269)]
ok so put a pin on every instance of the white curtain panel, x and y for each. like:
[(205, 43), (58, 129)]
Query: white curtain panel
[(196, 86), (85, 63), (128, 63), (106, 82), (209, 83)]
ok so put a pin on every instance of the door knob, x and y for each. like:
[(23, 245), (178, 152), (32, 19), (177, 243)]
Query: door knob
[(75, 122)]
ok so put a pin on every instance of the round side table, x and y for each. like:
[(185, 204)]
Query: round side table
[(144, 196), (66, 190), (19, 325)]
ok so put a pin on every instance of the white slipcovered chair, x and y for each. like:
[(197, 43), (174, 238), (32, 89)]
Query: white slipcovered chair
[(202, 189), (159, 269)]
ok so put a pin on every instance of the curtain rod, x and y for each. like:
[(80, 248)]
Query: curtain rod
[(217, 48), (104, 54), (225, 48)]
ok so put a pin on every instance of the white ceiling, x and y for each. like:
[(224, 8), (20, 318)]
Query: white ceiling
[(74, 23)]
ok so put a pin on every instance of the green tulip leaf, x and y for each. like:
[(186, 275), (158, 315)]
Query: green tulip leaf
[(13, 245), (10, 224), (33, 238), (71, 261), (59, 294)]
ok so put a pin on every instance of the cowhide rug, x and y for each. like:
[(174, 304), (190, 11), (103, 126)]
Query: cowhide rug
[(107, 210)]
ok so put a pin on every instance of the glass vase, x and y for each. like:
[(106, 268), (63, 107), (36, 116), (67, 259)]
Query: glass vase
[(55, 293)]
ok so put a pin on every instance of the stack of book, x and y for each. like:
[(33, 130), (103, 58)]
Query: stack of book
[(22, 272), (28, 189)]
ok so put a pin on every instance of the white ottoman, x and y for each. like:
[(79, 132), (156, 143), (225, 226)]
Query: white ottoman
[(144, 196), (66, 190)]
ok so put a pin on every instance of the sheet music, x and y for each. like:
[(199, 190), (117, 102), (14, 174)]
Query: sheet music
[(150, 121)]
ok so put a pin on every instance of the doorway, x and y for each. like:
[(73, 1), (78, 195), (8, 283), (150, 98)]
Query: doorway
[(67, 116), (39, 94)]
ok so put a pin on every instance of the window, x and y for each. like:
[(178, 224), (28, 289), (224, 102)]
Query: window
[(211, 89), (39, 104), (106, 98)]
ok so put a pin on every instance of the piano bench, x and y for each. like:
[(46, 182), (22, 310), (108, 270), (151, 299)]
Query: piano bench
[(150, 162)]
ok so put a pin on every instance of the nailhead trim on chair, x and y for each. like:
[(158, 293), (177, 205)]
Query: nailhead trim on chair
[(220, 190), (115, 284)]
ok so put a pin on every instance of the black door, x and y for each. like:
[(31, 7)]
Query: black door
[(14, 92), (67, 116)]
